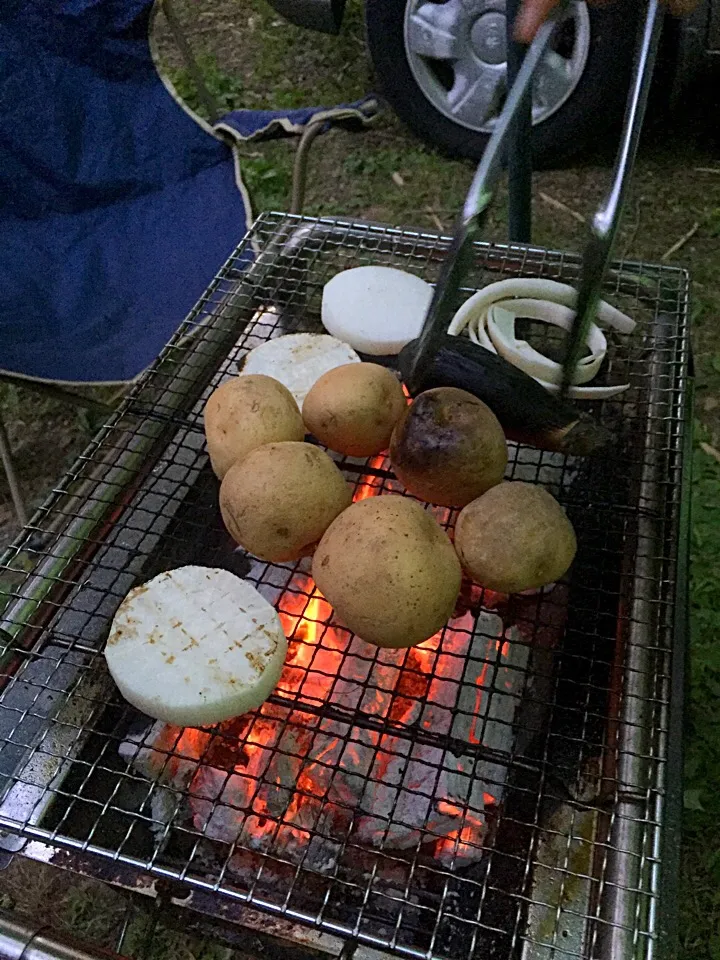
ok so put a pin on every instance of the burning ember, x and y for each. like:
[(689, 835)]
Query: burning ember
[(372, 485), (349, 753)]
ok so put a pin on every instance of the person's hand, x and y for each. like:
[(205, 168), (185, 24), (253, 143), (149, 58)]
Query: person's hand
[(534, 12)]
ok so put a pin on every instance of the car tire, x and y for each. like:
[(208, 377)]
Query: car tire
[(595, 105)]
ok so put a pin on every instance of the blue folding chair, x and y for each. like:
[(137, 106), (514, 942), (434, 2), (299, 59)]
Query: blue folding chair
[(117, 203)]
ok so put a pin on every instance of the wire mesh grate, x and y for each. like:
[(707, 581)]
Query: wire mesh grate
[(500, 789)]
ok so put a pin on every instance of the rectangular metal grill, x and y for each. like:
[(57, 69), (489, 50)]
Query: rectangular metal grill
[(510, 790)]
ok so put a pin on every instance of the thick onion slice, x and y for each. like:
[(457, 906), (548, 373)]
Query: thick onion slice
[(377, 310), (195, 646), (298, 360)]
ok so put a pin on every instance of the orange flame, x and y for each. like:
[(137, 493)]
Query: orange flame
[(503, 647), (463, 841), (373, 485), (311, 670), (303, 625), (312, 664), (478, 719)]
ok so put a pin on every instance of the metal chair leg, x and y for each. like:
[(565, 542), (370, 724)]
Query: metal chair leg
[(208, 101), (9, 467), (312, 130)]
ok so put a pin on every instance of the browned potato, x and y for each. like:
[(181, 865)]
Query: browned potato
[(448, 447), (279, 500), (515, 537), (353, 408), (389, 570), (245, 413)]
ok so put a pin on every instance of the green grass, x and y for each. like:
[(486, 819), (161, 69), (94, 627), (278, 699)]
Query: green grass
[(700, 903), (94, 913), (226, 90)]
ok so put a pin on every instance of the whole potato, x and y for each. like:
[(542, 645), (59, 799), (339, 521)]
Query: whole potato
[(448, 447), (353, 408), (280, 499), (247, 412), (389, 570), (515, 537)]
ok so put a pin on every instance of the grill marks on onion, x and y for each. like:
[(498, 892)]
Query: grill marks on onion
[(196, 646)]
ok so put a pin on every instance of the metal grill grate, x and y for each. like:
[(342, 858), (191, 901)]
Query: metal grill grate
[(549, 715)]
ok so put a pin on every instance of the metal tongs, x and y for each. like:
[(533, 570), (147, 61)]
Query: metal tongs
[(472, 218)]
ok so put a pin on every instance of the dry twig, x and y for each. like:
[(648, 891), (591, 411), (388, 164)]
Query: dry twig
[(559, 205), (679, 244), (435, 219)]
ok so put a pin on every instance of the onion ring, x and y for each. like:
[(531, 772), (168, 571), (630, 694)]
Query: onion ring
[(489, 318)]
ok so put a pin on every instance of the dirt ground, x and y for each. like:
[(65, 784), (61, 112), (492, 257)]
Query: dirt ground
[(251, 58)]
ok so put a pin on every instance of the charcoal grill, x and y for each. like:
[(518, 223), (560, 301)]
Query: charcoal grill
[(514, 784)]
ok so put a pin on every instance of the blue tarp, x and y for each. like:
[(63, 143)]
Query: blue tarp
[(116, 207)]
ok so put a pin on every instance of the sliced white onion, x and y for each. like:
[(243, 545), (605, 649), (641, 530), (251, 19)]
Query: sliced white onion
[(377, 310), (195, 646), (500, 324), (298, 360), (535, 289), (489, 319), (587, 393)]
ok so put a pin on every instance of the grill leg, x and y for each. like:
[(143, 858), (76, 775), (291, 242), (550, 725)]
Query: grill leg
[(12, 479), (519, 159)]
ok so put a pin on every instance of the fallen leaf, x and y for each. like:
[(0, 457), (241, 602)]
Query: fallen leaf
[(711, 403), (691, 800)]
